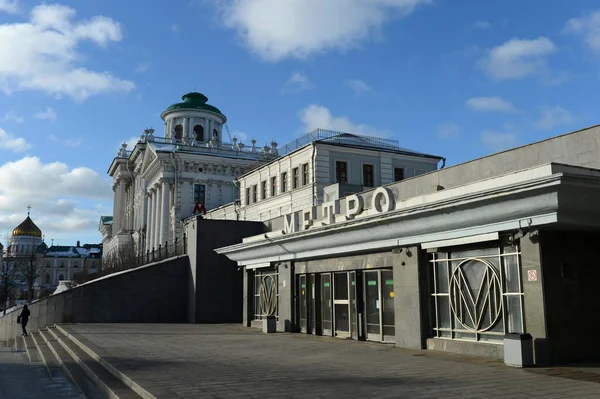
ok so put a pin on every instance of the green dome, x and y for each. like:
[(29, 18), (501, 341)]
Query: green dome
[(194, 101)]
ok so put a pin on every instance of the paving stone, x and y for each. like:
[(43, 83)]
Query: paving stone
[(20, 379), (230, 361)]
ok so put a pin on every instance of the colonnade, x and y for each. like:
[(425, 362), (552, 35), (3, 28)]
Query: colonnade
[(157, 217), (188, 127)]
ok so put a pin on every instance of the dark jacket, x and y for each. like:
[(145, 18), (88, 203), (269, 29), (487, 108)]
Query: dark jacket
[(24, 316)]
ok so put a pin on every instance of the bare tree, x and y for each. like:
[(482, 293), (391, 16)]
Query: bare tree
[(9, 278), (29, 271)]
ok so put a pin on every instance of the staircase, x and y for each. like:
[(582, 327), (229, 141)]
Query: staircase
[(64, 355)]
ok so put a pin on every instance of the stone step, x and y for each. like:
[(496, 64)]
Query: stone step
[(111, 386), (96, 354), (32, 351), (47, 357), (75, 373)]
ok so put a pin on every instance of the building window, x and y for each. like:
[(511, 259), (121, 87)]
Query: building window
[(248, 196), (398, 174), (295, 178), (341, 172), (47, 279), (199, 193), (266, 294), (368, 175), (61, 277), (305, 174), (263, 191), (273, 186), (179, 132), (477, 294), (48, 264), (284, 182), (215, 133), (62, 264), (199, 132), (254, 193)]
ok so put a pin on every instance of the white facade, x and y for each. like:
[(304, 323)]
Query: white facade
[(165, 179), (320, 167)]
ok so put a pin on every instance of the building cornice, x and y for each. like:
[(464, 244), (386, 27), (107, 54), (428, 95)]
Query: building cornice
[(524, 204)]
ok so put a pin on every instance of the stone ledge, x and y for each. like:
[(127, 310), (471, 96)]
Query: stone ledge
[(494, 351)]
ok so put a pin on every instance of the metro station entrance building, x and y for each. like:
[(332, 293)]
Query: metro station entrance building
[(452, 260)]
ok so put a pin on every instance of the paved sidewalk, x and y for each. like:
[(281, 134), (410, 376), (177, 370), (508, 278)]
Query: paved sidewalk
[(20, 379), (230, 361)]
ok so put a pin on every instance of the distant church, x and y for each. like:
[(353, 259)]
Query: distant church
[(164, 180)]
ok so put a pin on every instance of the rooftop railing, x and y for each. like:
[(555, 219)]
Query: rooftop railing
[(340, 138)]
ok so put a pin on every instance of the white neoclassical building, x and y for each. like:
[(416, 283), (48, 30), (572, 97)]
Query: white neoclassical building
[(164, 180)]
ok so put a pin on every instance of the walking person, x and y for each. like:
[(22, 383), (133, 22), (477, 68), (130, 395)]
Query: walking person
[(23, 318)]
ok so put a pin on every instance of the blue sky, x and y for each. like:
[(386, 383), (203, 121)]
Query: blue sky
[(456, 78)]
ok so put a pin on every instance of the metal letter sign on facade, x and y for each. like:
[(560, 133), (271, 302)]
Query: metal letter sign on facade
[(268, 296), (476, 295)]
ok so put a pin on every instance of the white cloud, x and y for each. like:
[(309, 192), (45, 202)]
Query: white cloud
[(47, 114), (67, 202), (8, 141), (42, 54), (71, 143), (277, 30), (9, 6), (242, 137), (489, 104), (552, 117), (517, 58), (587, 26), (358, 86), (175, 28), (498, 141), (448, 130), (319, 117), (11, 116), (298, 81), (142, 67), (482, 25)]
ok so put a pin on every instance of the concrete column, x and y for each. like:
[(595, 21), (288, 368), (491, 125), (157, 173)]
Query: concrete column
[(408, 307), (115, 207), (248, 297), (169, 128), (533, 296), (285, 304), (210, 129), (206, 132), (164, 220)]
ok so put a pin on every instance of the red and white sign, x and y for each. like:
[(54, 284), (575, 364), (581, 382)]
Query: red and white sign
[(199, 208), (532, 275)]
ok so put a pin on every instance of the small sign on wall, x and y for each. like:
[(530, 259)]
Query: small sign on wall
[(532, 275)]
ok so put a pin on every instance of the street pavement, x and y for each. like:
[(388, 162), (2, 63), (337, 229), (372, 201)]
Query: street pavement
[(20, 379), (230, 361)]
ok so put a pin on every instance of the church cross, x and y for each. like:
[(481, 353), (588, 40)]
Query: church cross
[(28, 209)]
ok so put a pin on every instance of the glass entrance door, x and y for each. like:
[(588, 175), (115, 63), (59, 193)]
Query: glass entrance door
[(326, 305), (303, 303), (312, 309), (379, 305), (341, 302)]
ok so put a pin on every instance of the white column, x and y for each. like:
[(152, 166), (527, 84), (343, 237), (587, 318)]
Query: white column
[(164, 222), (210, 129), (186, 122), (191, 127), (115, 207), (206, 132), (150, 228), (157, 213)]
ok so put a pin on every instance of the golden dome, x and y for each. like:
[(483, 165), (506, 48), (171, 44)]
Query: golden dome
[(27, 228)]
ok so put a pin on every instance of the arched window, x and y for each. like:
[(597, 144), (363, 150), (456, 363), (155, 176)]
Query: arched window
[(179, 132), (47, 279), (61, 277), (215, 133), (199, 132)]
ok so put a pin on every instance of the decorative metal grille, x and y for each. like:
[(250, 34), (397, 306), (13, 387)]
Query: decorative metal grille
[(266, 294), (477, 294), (477, 305)]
